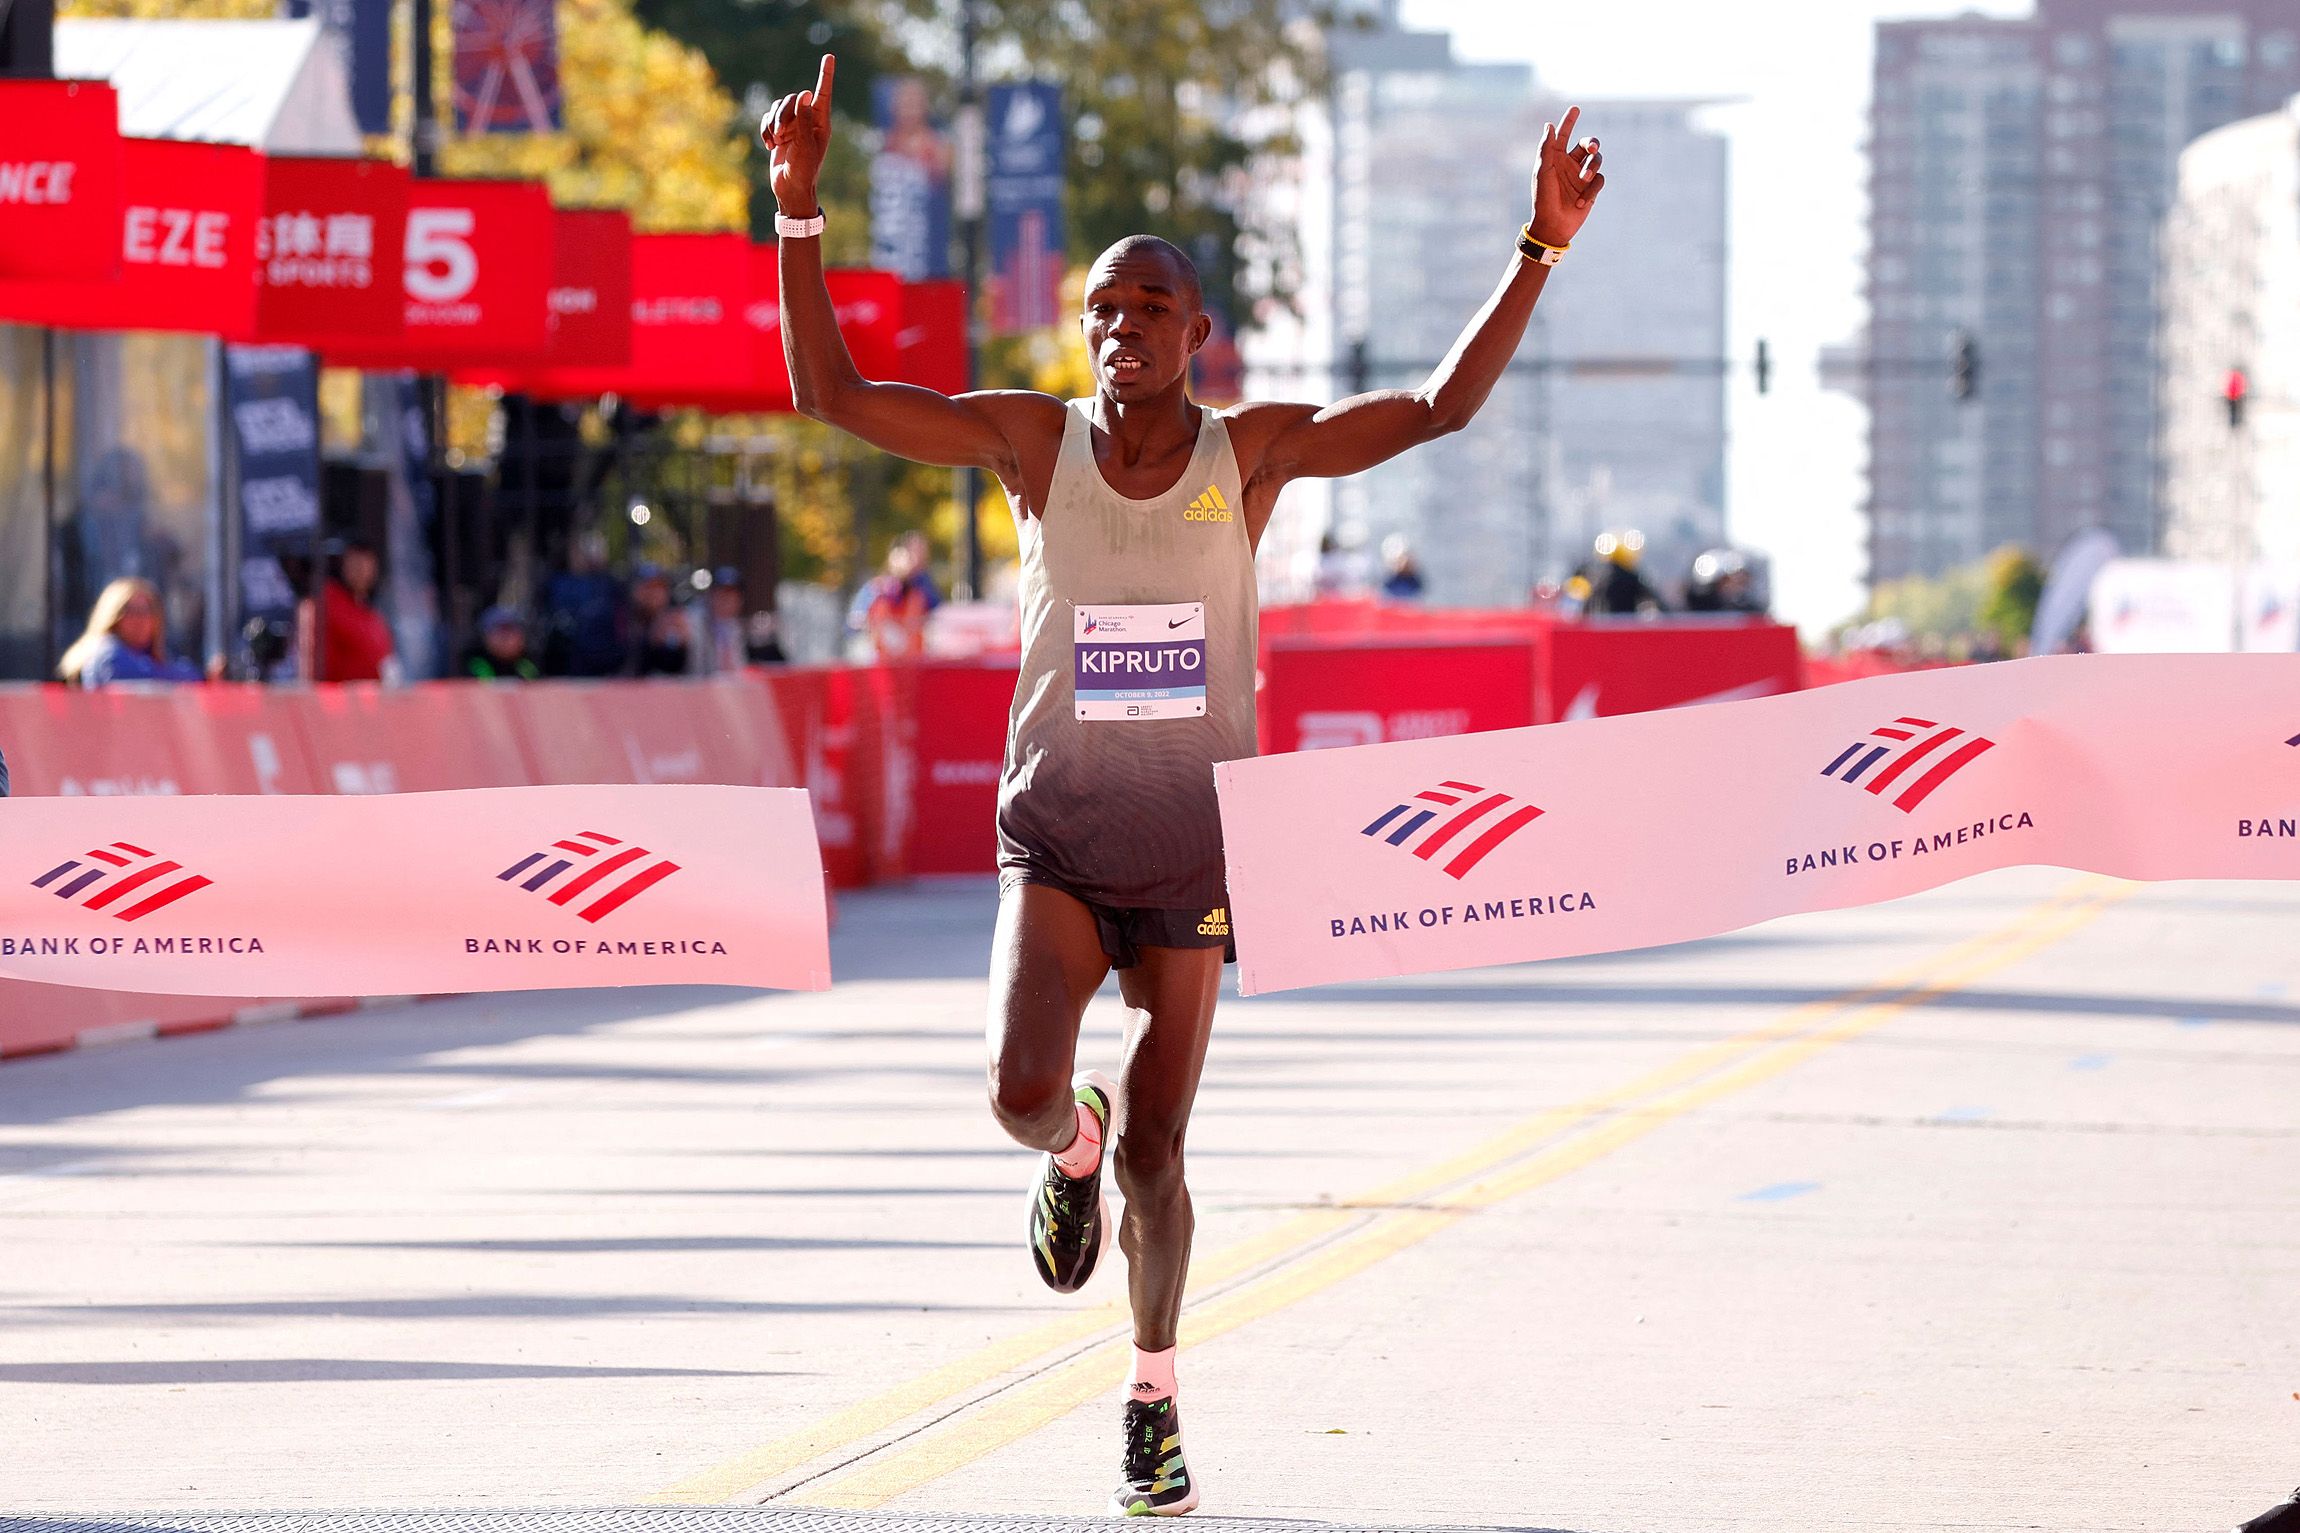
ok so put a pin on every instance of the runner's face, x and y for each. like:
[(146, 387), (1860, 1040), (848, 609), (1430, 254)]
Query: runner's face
[(1141, 325)]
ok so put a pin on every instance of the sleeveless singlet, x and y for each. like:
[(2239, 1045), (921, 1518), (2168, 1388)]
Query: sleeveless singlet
[(1117, 808)]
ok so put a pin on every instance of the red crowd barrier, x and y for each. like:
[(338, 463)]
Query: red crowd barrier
[(1598, 669)]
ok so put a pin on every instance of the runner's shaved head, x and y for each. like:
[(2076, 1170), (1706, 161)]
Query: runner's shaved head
[(1182, 271)]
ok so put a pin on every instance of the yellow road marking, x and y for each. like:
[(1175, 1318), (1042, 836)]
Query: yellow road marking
[(1298, 1247)]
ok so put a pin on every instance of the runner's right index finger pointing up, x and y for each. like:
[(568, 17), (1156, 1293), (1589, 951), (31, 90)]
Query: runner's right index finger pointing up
[(822, 91)]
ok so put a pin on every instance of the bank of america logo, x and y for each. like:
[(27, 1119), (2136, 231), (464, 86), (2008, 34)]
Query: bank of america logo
[(1209, 507), (121, 879), (1893, 751), (607, 874), (1459, 809)]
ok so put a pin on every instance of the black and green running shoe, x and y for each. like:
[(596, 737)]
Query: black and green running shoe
[(2284, 1518), (1157, 1480), (1069, 1223)]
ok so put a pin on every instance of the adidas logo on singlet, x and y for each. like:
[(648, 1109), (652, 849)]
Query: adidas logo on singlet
[(1209, 507), (1217, 922)]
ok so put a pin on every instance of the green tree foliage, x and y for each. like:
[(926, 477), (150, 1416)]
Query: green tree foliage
[(1993, 598), (2011, 581)]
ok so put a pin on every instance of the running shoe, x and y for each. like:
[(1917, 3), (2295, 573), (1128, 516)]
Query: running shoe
[(2283, 1518), (1157, 1481), (1069, 1222)]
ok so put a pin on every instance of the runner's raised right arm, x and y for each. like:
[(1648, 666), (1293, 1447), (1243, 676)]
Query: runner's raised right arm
[(969, 431)]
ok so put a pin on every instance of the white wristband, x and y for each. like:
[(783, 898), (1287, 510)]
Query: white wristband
[(798, 228)]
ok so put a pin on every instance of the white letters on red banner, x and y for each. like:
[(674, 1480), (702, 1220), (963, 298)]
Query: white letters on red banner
[(416, 893), (1651, 828)]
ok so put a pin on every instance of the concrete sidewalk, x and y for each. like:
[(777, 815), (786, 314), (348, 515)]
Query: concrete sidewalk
[(1719, 1236)]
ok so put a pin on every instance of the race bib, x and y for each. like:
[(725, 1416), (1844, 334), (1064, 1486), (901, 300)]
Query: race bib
[(1134, 663)]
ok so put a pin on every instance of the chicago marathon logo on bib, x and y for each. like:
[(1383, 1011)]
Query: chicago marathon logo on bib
[(1134, 663)]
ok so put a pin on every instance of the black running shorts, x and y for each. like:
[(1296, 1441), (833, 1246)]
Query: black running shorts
[(1126, 930)]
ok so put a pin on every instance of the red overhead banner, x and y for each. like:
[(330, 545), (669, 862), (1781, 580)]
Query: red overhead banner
[(591, 290), (477, 278), (59, 179), (688, 337), (932, 343), (869, 309), (186, 240), (329, 250)]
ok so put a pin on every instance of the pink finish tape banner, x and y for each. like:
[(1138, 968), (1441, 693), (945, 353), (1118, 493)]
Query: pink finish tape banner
[(415, 893), (1663, 827)]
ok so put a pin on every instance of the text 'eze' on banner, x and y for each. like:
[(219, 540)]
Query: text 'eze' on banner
[(185, 239), (59, 179), (1619, 833), (415, 893)]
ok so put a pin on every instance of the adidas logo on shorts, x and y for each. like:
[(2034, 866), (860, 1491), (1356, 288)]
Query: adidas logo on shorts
[(1209, 507), (1217, 922)]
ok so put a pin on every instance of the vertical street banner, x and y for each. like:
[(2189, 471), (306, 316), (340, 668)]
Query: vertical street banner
[(909, 182), (272, 393), (1025, 195), (360, 32), (506, 66)]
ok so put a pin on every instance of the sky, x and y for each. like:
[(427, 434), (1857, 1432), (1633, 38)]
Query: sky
[(1797, 232)]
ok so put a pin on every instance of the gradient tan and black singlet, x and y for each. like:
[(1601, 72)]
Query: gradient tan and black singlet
[(1118, 810)]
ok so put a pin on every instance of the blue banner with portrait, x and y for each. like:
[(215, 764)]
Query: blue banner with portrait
[(1027, 143), (910, 182)]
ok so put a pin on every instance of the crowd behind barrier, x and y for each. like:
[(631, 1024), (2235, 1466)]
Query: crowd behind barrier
[(902, 760)]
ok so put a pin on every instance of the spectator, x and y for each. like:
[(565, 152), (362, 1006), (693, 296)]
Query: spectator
[(501, 653), (1615, 586), (126, 640), (1721, 581), (354, 642), (660, 640), (732, 640), (921, 559), (1401, 572), (895, 614), (583, 614)]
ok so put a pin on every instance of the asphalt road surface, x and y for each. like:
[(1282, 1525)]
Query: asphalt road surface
[(1978, 1210)]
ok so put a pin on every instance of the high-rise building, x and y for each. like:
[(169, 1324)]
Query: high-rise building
[(2231, 301), (2020, 170), (1401, 201)]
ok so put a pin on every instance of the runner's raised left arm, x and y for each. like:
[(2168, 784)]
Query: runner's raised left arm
[(1281, 442)]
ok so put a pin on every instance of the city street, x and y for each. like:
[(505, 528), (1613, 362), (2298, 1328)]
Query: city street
[(1977, 1210)]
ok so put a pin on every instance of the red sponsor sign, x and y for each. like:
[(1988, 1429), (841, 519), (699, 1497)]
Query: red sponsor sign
[(932, 341), (591, 290), (1603, 668), (1317, 696), (476, 277), (688, 336), (59, 179), (868, 305), (329, 259), (186, 240)]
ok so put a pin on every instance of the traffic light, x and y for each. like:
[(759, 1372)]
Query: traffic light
[(2235, 392), (1764, 366), (1964, 365)]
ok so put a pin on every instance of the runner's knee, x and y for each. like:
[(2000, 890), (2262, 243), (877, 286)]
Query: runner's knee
[(1024, 1093), (1148, 1163)]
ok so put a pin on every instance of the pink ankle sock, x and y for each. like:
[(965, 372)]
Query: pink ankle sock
[(1085, 1152), (1153, 1375)]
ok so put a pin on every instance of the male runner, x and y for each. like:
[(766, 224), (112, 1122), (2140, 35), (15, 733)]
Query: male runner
[(1138, 515)]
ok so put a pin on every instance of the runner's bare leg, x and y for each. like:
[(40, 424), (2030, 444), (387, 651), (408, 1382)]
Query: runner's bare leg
[(1170, 996), (1046, 962)]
